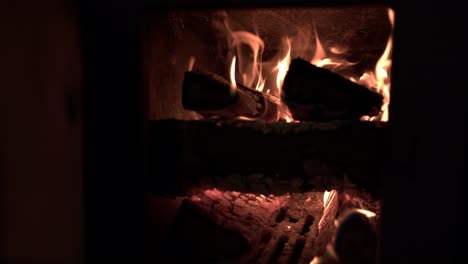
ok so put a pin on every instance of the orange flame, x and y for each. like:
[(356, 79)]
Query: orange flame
[(250, 66), (379, 80), (320, 53), (282, 68), (321, 58), (256, 73)]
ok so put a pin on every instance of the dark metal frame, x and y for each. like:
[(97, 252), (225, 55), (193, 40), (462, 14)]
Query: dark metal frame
[(422, 187)]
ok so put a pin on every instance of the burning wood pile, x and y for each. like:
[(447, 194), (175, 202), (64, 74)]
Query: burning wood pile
[(309, 92), (296, 89), (300, 184)]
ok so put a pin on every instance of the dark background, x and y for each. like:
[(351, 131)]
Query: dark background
[(72, 133)]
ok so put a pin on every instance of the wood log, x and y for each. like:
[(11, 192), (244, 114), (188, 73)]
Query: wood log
[(317, 94), (212, 95), (266, 158), (356, 239), (198, 236), (234, 227)]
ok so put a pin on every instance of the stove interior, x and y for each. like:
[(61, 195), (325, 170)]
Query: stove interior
[(268, 132)]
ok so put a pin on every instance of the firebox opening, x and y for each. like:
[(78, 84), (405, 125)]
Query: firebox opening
[(254, 48), (260, 134)]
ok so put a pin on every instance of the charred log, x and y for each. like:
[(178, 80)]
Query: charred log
[(212, 95), (232, 227), (356, 240), (266, 158), (197, 235), (317, 94)]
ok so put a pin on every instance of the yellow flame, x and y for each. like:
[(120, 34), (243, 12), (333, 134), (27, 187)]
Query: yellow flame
[(233, 73), (367, 213), (283, 66), (379, 79), (326, 195), (320, 53), (264, 76), (252, 70), (250, 66), (321, 58)]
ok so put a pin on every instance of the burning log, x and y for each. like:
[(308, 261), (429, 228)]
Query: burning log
[(212, 95), (317, 94), (266, 158)]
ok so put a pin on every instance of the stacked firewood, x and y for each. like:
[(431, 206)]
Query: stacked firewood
[(311, 93)]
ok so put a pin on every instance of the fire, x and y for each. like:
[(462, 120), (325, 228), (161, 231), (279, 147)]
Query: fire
[(268, 76), (365, 212), (264, 76), (233, 73), (191, 63), (377, 79), (283, 66), (249, 65), (323, 60), (320, 53), (380, 78)]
